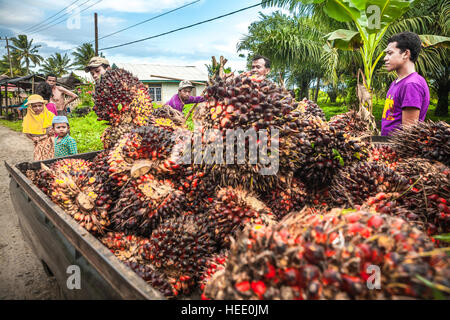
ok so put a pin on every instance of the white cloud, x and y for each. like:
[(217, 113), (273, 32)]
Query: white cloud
[(140, 5), (20, 14)]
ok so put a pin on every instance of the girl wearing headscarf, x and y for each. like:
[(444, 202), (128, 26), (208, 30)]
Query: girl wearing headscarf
[(37, 126)]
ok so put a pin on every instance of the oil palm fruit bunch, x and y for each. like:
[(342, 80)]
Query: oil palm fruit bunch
[(154, 278), (231, 210), (197, 186), (179, 248), (80, 193), (312, 109), (126, 248), (167, 116), (393, 204), (430, 140), (121, 98), (322, 150), (144, 203), (429, 193), (113, 134), (100, 167), (333, 255), (354, 184), (384, 154), (214, 264), (288, 197), (350, 122), (244, 101), (145, 149)]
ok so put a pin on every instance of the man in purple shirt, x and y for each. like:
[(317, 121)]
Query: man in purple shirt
[(408, 97), (183, 96)]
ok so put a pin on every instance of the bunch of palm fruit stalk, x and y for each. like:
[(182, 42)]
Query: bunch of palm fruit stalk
[(337, 255), (124, 102)]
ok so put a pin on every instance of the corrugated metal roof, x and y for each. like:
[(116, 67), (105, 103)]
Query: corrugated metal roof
[(144, 71)]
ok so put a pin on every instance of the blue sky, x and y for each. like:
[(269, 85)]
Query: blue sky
[(193, 46)]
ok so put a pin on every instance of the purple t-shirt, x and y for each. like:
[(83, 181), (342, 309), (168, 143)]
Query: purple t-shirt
[(176, 103), (411, 91)]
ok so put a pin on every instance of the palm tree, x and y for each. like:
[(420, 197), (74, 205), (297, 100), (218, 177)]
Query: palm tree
[(82, 55), (56, 64), (17, 67), (26, 51)]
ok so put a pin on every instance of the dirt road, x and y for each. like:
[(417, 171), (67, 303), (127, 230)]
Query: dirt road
[(21, 273)]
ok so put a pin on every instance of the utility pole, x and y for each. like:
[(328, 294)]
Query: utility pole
[(96, 34), (9, 57)]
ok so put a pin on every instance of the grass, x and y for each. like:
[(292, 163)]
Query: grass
[(85, 130), (332, 109)]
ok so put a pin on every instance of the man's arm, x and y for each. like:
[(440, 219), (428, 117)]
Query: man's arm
[(410, 115), (69, 93), (195, 99)]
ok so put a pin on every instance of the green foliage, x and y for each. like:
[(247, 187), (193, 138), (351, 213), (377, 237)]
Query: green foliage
[(87, 132), (57, 64), (82, 55), (189, 122)]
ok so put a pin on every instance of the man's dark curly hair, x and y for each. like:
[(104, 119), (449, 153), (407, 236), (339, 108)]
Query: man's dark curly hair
[(266, 60), (408, 40)]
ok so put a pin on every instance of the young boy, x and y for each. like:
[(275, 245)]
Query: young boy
[(408, 97), (65, 145)]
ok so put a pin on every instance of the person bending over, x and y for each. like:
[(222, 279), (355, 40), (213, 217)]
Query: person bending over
[(183, 96)]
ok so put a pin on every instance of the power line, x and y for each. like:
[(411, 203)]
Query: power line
[(139, 23), (186, 27), (33, 30), (62, 18), (35, 25)]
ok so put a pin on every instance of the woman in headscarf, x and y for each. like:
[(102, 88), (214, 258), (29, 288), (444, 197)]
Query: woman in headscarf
[(37, 126)]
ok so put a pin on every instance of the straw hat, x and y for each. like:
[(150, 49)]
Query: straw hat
[(35, 98)]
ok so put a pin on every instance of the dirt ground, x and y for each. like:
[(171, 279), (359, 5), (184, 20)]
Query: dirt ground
[(21, 274)]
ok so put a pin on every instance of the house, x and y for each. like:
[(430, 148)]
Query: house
[(163, 80)]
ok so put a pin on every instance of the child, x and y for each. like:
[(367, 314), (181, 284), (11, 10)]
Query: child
[(37, 126), (65, 145)]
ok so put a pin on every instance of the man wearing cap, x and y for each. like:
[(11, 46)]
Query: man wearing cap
[(183, 96), (97, 67), (58, 95)]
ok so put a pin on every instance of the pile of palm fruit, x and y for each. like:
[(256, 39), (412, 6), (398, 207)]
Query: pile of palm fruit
[(337, 208)]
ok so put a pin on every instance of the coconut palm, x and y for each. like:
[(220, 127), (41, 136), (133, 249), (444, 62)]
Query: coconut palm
[(17, 67), (26, 51), (82, 55), (56, 64)]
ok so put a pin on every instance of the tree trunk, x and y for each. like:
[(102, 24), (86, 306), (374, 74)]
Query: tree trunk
[(442, 92), (303, 90), (317, 89)]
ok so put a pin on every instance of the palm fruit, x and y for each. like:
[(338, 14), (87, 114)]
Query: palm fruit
[(331, 256), (146, 149), (231, 210), (430, 140), (144, 204), (100, 167), (350, 122), (113, 134), (384, 154), (322, 150), (213, 265), (120, 98), (166, 116), (126, 248), (312, 109), (80, 193), (286, 198), (354, 184), (429, 194), (197, 186), (178, 248)]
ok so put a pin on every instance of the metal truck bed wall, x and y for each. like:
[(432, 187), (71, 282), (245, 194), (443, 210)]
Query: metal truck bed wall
[(58, 241)]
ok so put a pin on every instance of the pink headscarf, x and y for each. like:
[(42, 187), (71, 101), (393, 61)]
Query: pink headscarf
[(52, 108)]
